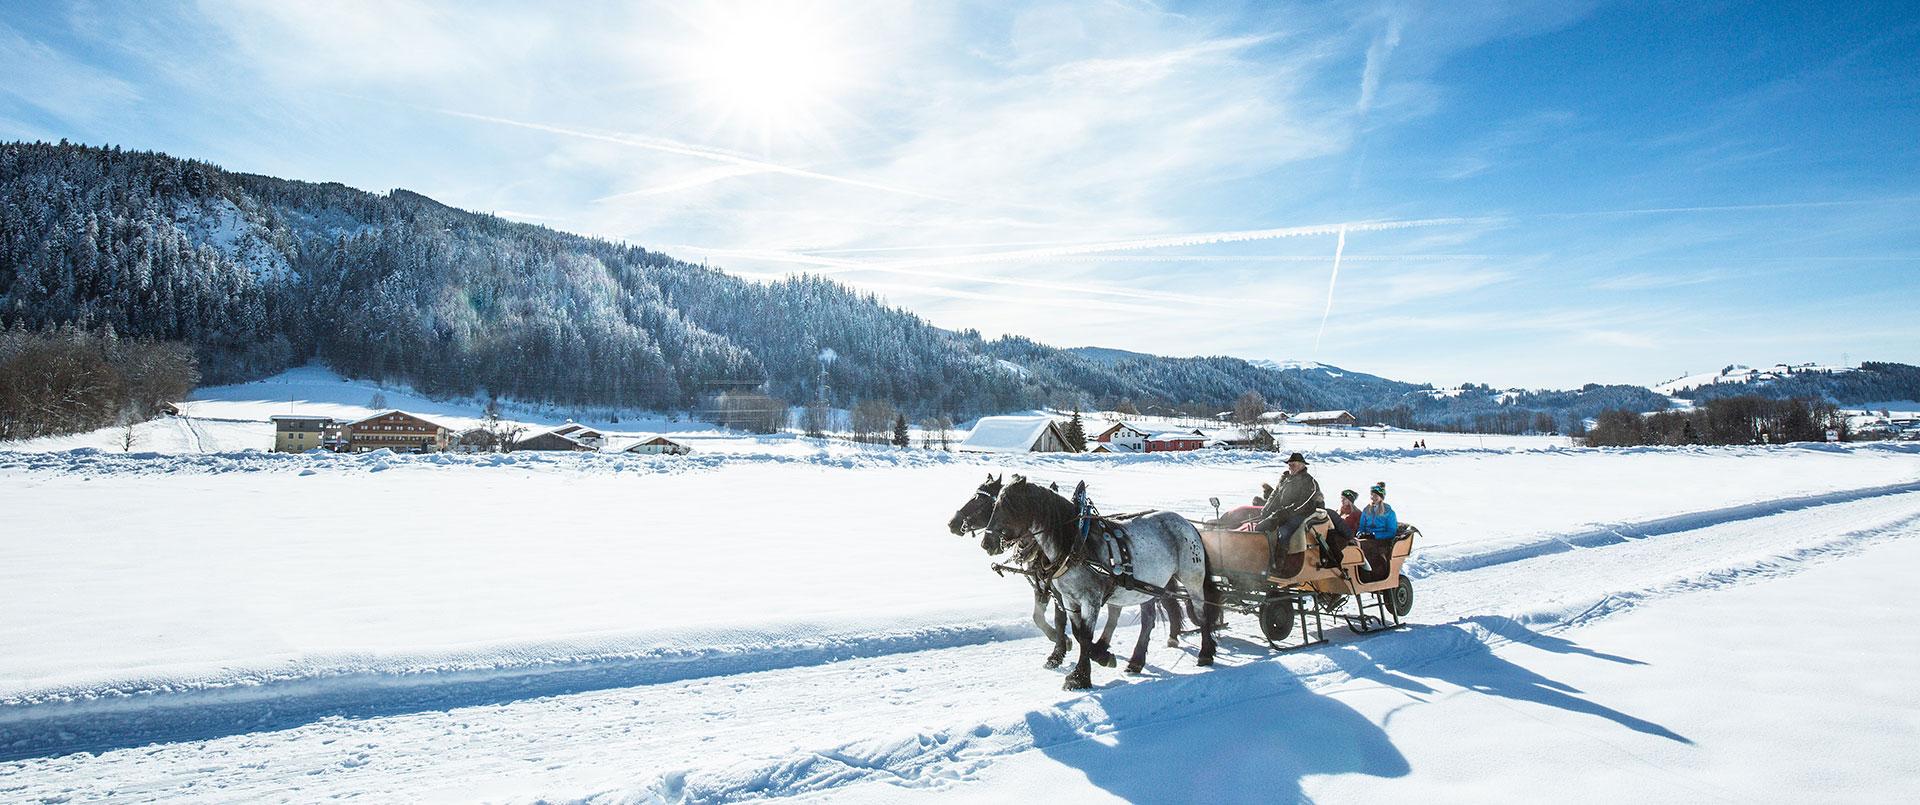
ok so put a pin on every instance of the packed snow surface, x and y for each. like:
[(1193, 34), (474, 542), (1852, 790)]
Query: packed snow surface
[(783, 617)]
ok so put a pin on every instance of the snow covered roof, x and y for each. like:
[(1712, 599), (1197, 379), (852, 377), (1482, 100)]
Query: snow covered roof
[(1006, 434), (278, 417), (1177, 436), (1317, 416), (624, 445), (574, 432), (1226, 434)]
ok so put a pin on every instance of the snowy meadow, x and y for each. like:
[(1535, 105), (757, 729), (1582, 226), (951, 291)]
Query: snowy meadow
[(776, 616)]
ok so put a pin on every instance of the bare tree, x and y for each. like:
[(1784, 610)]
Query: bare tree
[(872, 419), (1249, 407), (816, 419)]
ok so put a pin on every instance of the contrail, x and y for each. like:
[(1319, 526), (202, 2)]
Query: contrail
[(670, 147), (1338, 249), (1193, 239), (923, 267)]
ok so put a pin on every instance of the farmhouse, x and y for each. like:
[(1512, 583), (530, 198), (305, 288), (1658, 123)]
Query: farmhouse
[(398, 431), (293, 433), (656, 445), (1252, 438), (582, 434), (1121, 437), (553, 440), (1322, 418), (1016, 434)]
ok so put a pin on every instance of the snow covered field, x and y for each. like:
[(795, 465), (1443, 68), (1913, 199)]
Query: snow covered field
[(787, 619), (778, 617)]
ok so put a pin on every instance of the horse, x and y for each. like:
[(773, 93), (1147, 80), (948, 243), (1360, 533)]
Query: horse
[(1153, 553), (972, 516)]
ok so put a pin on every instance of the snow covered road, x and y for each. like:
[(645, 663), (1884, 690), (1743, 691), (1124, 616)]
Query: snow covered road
[(952, 700)]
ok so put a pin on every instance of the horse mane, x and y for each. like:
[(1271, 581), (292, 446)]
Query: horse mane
[(1033, 503)]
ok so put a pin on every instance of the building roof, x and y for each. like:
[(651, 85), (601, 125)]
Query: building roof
[(1116, 426), (1317, 415), (278, 417), (1008, 434), (645, 439)]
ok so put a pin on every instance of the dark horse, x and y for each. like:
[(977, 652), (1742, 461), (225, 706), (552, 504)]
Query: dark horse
[(1158, 553), (972, 516)]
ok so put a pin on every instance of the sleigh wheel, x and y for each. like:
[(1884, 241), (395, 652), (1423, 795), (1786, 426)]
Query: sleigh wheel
[(1277, 617), (1400, 598)]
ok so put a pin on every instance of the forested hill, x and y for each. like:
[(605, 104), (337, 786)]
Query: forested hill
[(257, 274), (1871, 383)]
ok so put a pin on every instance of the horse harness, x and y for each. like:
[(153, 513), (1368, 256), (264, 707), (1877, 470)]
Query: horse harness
[(1031, 562)]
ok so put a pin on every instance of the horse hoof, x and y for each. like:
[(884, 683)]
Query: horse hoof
[(1133, 668), (1077, 683), (1205, 660), (1173, 642), (1106, 662), (1052, 662)]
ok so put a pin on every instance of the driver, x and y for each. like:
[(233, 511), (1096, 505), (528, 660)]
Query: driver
[(1296, 496)]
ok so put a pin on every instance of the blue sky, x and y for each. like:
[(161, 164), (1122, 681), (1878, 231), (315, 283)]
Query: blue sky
[(1527, 194)]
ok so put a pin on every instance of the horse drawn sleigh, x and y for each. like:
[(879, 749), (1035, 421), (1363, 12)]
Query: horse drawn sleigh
[(1081, 562), (1298, 592)]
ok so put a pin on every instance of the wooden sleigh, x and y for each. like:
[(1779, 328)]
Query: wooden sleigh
[(1296, 594)]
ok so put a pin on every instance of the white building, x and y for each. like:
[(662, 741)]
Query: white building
[(1121, 437)]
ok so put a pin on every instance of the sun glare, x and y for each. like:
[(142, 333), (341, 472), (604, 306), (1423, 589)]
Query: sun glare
[(769, 66)]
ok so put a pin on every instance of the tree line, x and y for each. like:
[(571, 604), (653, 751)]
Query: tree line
[(1722, 421), (68, 379)]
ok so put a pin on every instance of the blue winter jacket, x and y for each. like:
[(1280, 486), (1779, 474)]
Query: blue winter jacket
[(1378, 526)]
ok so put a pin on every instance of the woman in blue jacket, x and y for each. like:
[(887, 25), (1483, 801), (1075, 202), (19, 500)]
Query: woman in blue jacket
[(1377, 520)]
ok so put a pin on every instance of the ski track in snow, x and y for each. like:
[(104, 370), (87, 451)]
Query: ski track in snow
[(931, 710)]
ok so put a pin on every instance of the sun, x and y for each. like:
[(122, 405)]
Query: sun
[(776, 67)]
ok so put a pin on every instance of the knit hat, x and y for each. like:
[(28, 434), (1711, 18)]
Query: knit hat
[(1349, 494), (1379, 489)]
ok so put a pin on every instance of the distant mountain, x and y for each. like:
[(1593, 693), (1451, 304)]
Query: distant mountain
[(257, 274), (1870, 382)]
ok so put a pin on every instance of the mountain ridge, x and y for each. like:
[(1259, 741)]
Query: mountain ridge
[(259, 273)]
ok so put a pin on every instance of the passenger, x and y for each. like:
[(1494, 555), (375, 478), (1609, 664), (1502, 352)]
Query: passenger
[(1348, 514), (1377, 520)]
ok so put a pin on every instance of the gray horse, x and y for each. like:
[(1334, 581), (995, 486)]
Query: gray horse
[(1162, 552), (972, 516)]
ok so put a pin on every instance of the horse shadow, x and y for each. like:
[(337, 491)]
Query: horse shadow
[(1260, 744)]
